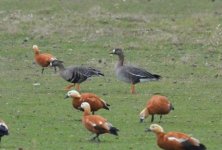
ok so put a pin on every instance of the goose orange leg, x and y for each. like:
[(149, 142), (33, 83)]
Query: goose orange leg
[(67, 88), (132, 89), (78, 87)]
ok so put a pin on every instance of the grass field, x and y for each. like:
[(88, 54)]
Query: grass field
[(178, 39)]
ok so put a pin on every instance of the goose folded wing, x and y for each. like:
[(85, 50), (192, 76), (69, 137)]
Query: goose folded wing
[(74, 75), (138, 72), (89, 71)]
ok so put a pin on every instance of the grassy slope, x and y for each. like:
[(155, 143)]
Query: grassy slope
[(179, 40)]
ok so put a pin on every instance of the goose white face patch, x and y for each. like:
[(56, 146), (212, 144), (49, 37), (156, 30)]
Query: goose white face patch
[(114, 50)]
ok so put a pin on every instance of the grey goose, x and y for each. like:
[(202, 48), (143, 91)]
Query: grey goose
[(131, 74), (75, 75)]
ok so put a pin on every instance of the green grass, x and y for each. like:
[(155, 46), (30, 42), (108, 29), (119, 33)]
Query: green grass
[(180, 40)]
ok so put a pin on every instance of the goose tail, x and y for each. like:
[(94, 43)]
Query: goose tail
[(156, 76)]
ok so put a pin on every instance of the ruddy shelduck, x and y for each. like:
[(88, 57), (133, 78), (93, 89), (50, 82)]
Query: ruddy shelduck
[(75, 75), (3, 129), (158, 104), (94, 101), (175, 140), (96, 124), (43, 59)]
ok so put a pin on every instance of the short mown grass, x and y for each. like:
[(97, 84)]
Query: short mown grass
[(180, 40)]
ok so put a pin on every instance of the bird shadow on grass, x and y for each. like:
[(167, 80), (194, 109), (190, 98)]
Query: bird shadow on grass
[(78, 120), (2, 147)]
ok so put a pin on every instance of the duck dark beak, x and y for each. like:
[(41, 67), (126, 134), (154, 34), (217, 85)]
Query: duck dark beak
[(113, 52), (80, 108), (66, 96), (141, 120), (147, 130)]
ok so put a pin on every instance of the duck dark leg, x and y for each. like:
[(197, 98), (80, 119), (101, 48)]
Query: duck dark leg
[(55, 69), (160, 118), (95, 137), (132, 90), (152, 119), (42, 69)]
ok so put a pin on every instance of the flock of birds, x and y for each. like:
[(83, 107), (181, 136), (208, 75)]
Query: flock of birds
[(90, 102)]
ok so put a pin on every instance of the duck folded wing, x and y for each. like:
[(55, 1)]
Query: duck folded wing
[(101, 128), (188, 145), (93, 99), (97, 122), (106, 127), (178, 140)]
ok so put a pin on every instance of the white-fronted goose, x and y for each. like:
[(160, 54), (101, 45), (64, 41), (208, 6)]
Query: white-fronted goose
[(131, 74), (75, 75)]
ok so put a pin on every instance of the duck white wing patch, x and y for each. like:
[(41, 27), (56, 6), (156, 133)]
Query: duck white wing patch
[(53, 58), (100, 123), (180, 140), (109, 125), (197, 142), (90, 122)]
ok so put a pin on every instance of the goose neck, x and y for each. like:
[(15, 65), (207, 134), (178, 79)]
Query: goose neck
[(121, 60), (61, 67)]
